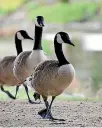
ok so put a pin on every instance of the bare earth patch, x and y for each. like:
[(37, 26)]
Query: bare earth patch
[(80, 114)]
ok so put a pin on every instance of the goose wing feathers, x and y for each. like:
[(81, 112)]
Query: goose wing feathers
[(19, 68)]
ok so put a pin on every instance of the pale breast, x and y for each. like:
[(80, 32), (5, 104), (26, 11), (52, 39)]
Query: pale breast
[(35, 58)]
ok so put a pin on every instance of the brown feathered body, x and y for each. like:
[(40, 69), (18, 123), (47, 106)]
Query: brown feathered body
[(26, 62), (6, 71), (20, 68), (49, 79)]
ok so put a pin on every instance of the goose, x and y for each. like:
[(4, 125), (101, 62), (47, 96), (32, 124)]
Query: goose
[(27, 60), (6, 65), (52, 77)]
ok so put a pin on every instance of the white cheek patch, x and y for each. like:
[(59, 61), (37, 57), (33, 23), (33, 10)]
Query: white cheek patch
[(36, 23), (19, 36), (59, 39)]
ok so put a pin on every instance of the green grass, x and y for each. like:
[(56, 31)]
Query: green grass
[(78, 99), (63, 13), (22, 95), (8, 6), (57, 13)]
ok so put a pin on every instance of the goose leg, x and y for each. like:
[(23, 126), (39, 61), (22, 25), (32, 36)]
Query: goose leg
[(17, 88), (49, 113), (8, 93), (30, 101), (42, 112)]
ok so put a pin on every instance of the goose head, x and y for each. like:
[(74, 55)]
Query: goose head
[(63, 37), (39, 21), (21, 35)]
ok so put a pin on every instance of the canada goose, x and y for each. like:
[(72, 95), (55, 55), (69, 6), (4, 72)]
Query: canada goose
[(27, 61), (6, 65), (52, 77)]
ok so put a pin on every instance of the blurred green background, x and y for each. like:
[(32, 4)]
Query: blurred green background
[(82, 19)]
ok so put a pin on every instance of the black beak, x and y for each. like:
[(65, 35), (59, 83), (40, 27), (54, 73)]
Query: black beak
[(28, 37), (69, 42), (72, 44), (42, 24)]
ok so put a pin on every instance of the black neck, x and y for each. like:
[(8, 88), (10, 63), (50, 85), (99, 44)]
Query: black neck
[(59, 53), (38, 38), (18, 44)]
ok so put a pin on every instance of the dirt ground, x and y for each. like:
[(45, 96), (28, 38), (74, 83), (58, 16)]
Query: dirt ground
[(80, 114)]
